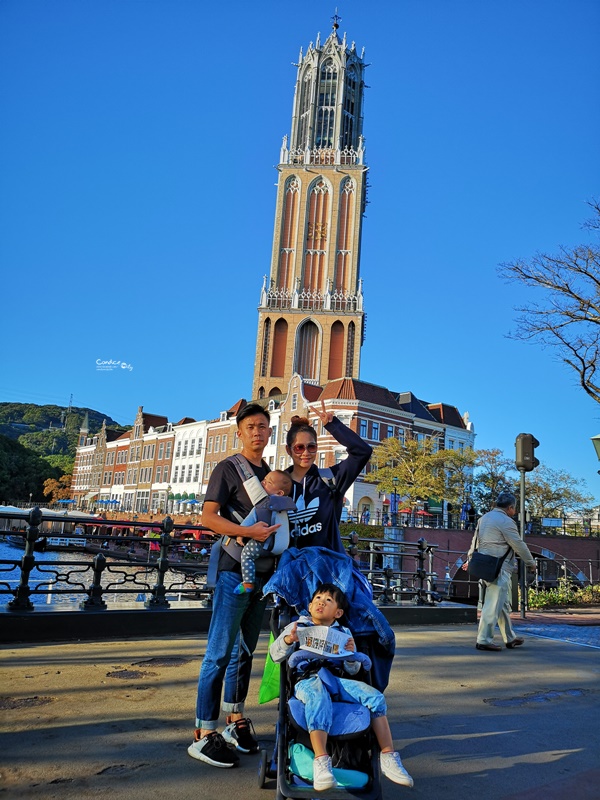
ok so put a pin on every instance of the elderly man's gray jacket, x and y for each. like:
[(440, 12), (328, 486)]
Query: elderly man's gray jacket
[(495, 531)]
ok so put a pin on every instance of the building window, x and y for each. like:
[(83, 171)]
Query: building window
[(294, 401), (461, 447), (390, 431), (274, 434), (450, 444), (192, 446), (168, 451), (178, 450), (321, 460), (206, 472), (224, 444), (375, 431), (166, 475), (197, 473), (161, 451), (363, 429), (217, 442), (158, 474), (184, 454), (189, 475), (175, 474)]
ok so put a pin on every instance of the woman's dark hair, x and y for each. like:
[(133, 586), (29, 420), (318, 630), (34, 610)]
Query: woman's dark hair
[(299, 425), (335, 592)]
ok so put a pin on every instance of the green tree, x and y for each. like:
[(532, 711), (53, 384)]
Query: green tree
[(417, 465), (459, 466), (493, 474), (64, 463), (22, 472), (550, 492)]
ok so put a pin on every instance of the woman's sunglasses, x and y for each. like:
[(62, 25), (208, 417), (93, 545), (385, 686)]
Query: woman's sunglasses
[(300, 448)]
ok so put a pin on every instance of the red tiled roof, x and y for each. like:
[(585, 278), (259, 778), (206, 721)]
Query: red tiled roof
[(185, 421), (311, 392), (352, 389), (126, 435), (235, 409)]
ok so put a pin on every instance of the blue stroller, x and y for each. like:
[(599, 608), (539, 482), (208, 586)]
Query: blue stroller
[(352, 745)]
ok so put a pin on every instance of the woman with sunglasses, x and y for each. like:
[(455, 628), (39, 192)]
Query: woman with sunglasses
[(319, 502)]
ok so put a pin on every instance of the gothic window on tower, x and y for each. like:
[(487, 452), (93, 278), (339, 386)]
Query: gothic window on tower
[(336, 351), (305, 92), (350, 350), (344, 244), (288, 234), (307, 351), (316, 238), (325, 122), (279, 348), (264, 360), (349, 115)]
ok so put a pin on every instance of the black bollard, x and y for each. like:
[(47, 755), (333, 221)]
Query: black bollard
[(21, 601), (95, 600)]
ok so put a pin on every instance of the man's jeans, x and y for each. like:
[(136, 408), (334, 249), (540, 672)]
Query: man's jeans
[(228, 656), (496, 609), (317, 700)]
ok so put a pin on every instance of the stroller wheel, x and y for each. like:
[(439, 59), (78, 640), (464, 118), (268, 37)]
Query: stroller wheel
[(262, 768)]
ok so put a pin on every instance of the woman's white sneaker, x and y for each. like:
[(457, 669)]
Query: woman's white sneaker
[(392, 768)]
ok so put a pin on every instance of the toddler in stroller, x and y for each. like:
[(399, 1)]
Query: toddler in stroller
[(308, 645)]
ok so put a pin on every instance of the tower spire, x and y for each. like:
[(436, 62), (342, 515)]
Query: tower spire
[(336, 19)]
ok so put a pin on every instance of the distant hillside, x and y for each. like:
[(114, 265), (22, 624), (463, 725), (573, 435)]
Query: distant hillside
[(49, 430)]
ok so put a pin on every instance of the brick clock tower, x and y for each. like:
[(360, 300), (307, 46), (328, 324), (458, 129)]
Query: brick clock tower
[(310, 317)]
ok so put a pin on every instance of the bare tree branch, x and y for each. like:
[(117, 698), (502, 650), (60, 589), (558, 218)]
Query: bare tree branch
[(567, 317)]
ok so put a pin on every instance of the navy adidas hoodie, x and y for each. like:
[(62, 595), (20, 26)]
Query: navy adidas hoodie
[(316, 522)]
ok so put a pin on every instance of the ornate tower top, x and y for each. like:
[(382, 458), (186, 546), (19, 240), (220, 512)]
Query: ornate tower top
[(327, 117)]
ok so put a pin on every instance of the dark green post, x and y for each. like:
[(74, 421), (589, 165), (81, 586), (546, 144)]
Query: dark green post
[(95, 599), (158, 599), (21, 601)]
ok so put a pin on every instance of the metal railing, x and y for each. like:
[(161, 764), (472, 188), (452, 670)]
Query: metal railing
[(167, 566)]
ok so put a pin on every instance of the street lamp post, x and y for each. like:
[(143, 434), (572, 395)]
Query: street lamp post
[(395, 481), (167, 500)]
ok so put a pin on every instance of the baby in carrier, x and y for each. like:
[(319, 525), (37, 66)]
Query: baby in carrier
[(325, 609), (276, 484)]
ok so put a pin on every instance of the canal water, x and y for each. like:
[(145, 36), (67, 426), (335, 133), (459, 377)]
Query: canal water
[(68, 575)]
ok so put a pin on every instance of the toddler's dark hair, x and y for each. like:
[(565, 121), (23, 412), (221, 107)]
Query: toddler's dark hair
[(335, 592)]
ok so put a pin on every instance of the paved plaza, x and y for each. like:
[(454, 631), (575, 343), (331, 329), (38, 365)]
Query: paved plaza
[(114, 719)]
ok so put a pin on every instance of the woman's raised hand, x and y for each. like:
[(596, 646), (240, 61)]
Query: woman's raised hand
[(324, 415)]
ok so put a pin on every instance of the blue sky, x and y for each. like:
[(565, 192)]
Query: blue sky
[(137, 146)]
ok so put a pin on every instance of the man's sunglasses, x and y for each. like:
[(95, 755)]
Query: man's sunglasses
[(300, 448)]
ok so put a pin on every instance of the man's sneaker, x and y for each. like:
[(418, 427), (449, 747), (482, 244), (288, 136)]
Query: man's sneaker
[(240, 734), (392, 768), (213, 750), (323, 777)]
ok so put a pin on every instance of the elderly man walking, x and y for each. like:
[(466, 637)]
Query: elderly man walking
[(496, 535)]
